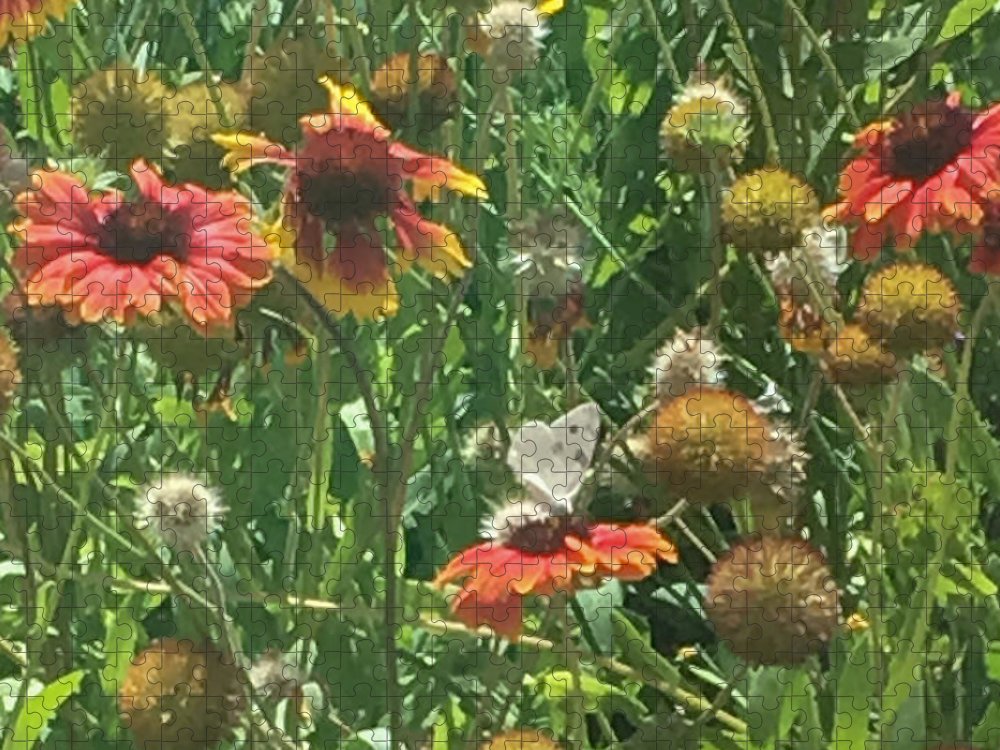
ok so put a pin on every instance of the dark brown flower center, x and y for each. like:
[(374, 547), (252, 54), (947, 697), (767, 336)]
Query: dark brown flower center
[(926, 140), (138, 233), (545, 535), (335, 194)]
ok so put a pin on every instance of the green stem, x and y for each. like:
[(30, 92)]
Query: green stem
[(661, 39), (186, 19), (824, 56), (740, 42), (962, 384)]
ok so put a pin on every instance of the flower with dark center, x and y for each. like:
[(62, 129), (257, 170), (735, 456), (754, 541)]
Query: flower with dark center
[(550, 248), (347, 174), (101, 256), (182, 692), (773, 600), (532, 550), (20, 20), (926, 170)]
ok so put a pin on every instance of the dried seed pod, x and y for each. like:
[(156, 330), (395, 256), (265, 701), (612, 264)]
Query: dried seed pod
[(773, 600)]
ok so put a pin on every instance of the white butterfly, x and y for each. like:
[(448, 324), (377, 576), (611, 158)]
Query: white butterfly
[(550, 460)]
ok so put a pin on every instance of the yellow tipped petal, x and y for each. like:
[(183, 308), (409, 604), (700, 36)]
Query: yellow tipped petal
[(466, 183), (346, 100), (445, 259), (551, 6), (245, 149)]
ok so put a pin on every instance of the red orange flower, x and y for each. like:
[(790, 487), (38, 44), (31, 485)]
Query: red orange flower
[(541, 553), (99, 255), (345, 175), (923, 171), (21, 20)]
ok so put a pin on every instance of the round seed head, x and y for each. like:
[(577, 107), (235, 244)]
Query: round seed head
[(773, 600), (767, 211), (179, 692), (914, 307), (181, 511)]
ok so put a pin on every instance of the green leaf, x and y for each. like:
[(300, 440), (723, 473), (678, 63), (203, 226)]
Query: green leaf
[(855, 694), (639, 654), (38, 710), (962, 17), (598, 605), (120, 634)]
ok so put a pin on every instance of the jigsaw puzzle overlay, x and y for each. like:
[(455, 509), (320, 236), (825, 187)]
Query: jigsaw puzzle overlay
[(500, 374)]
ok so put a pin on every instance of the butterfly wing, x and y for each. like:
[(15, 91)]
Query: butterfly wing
[(554, 458)]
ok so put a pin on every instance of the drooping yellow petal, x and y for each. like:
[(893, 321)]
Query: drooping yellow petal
[(441, 253), (245, 149), (347, 100), (455, 179), (551, 6), (466, 183)]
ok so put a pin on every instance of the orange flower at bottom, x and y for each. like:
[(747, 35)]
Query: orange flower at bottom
[(540, 553)]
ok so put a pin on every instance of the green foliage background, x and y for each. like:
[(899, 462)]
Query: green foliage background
[(303, 557)]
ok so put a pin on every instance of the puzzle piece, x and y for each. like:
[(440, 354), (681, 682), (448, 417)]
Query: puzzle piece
[(518, 373)]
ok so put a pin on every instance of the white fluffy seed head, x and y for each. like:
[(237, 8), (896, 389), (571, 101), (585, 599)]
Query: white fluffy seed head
[(274, 675), (549, 247), (181, 510), (786, 464), (690, 360), (821, 257), (515, 34)]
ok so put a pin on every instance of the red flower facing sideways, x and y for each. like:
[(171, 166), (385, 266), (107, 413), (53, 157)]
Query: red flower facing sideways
[(923, 171), (346, 175), (533, 551), (100, 255)]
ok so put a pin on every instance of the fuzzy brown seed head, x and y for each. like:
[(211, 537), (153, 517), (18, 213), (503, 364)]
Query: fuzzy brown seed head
[(10, 371), (549, 246), (914, 307), (853, 357), (194, 156), (176, 691), (767, 211), (435, 94), (715, 446), (510, 35), (274, 675), (521, 739), (707, 124), (45, 340), (773, 600), (124, 115), (687, 362), (281, 86)]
